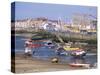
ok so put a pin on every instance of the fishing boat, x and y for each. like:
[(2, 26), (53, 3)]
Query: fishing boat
[(74, 51)]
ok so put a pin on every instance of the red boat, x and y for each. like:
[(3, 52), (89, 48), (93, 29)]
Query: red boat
[(36, 45)]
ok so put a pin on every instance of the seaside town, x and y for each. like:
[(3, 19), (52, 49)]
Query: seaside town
[(78, 24), (43, 42), (81, 27)]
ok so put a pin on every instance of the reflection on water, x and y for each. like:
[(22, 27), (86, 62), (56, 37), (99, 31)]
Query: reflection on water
[(45, 53), (78, 60)]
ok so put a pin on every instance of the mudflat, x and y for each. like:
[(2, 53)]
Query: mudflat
[(30, 64)]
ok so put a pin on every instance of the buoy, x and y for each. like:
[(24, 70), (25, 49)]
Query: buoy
[(54, 60)]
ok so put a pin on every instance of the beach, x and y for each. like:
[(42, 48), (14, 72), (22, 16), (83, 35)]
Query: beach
[(29, 65), (40, 61)]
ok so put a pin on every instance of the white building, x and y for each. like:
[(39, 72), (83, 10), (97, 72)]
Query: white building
[(24, 24)]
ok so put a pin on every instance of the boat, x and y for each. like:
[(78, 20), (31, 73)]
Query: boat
[(79, 65), (74, 51), (36, 45), (37, 37), (70, 49), (60, 51), (49, 44), (78, 53)]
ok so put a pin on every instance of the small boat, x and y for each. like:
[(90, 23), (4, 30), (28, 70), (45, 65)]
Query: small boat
[(54, 60), (74, 51), (35, 38), (36, 45), (78, 53), (70, 49), (79, 65), (49, 44), (61, 51)]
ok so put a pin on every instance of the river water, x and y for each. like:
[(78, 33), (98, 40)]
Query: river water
[(45, 53)]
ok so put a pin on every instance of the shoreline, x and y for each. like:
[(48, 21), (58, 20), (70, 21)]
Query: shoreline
[(30, 65)]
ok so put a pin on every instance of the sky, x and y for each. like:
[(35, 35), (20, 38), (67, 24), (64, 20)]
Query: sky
[(25, 10)]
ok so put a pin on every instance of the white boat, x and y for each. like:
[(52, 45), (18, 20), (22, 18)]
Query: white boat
[(78, 53)]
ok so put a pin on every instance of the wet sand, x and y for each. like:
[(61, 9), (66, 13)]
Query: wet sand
[(29, 65)]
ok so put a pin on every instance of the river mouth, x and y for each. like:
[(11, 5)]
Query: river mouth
[(46, 53)]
